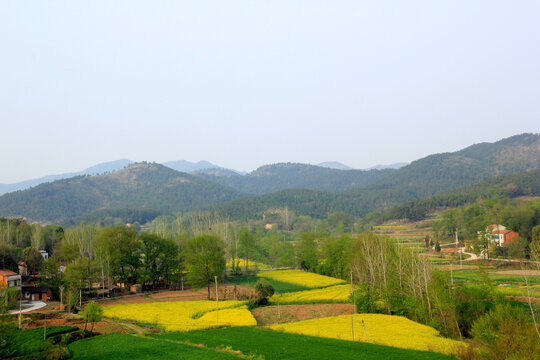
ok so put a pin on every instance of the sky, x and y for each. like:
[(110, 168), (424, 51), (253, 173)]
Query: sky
[(247, 83)]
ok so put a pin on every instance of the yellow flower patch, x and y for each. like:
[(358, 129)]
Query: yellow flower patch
[(299, 277), (332, 294), (251, 264), (185, 315), (381, 329)]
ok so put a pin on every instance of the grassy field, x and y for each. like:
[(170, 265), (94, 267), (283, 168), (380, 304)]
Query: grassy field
[(184, 315), (388, 330), (274, 345), (128, 347), (24, 343), (507, 284), (279, 286)]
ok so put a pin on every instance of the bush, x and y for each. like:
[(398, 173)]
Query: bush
[(264, 290), (507, 333)]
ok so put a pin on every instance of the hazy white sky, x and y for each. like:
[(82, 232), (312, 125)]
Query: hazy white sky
[(247, 83)]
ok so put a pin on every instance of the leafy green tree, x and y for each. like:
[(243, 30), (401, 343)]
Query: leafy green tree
[(50, 273), (204, 258), (92, 313), (335, 256), (246, 244), (33, 259), (9, 255), (306, 253), (122, 249), (160, 258)]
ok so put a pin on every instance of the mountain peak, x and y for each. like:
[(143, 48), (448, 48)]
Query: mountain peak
[(335, 165)]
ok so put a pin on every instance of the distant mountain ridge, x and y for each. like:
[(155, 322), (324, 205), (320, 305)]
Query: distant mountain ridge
[(396, 166), (334, 165), (140, 186), (281, 176), (188, 166), (306, 189), (423, 178), (110, 166)]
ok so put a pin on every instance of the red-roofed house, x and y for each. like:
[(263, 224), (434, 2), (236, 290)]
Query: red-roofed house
[(10, 279), (504, 237)]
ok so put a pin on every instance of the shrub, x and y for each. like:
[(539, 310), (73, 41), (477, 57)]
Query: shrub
[(264, 289), (507, 332)]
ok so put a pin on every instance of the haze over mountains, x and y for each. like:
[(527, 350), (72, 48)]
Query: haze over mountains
[(307, 189)]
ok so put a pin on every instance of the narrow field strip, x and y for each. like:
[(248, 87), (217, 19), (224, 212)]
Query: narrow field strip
[(380, 329), (337, 293), (275, 345), (185, 315), (299, 277)]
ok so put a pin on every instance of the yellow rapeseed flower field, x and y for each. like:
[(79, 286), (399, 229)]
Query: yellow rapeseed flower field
[(185, 315), (334, 293), (299, 277), (381, 329), (251, 264)]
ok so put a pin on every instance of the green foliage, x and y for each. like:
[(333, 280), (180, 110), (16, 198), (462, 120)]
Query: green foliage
[(507, 333), (334, 256), (526, 184), (29, 344), (122, 249), (204, 258), (93, 312), (264, 290), (33, 259), (161, 259), (246, 242), (275, 345), (306, 252)]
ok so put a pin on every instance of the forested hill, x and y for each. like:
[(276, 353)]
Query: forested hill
[(142, 186), (270, 178), (432, 175), (512, 186)]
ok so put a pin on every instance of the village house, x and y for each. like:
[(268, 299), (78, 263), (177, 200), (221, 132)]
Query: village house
[(10, 279), (501, 236)]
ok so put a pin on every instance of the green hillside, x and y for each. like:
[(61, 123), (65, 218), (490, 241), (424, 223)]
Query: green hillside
[(424, 178), (145, 187), (271, 178)]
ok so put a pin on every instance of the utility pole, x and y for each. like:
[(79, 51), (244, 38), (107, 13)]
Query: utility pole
[(61, 297), (451, 280), (217, 302), (278, 311), (20, 306), (102, 280), (354, 311), (364, 325), (45, 328)]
